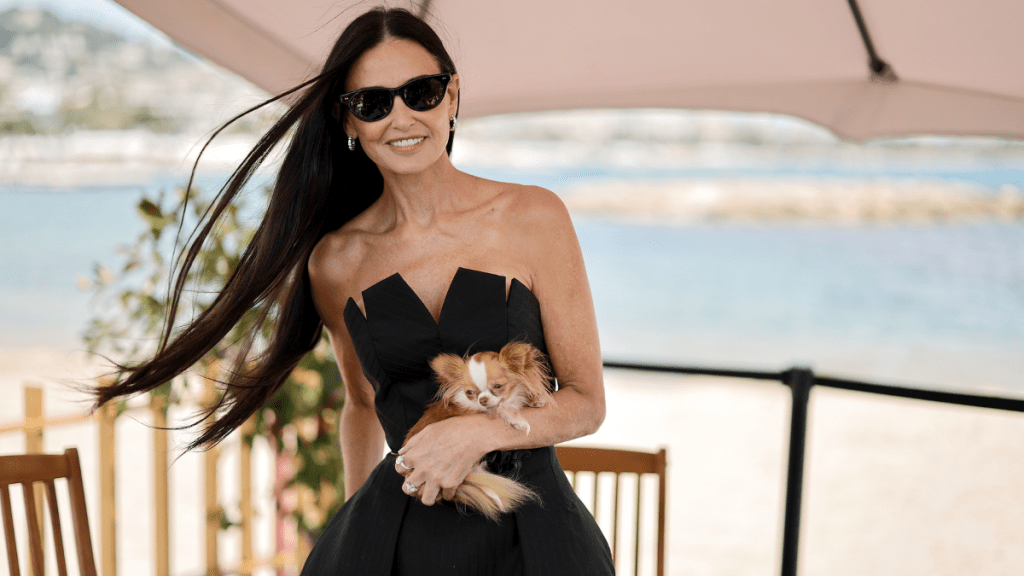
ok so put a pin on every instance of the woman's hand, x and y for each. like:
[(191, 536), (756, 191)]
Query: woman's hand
[(442, 454)]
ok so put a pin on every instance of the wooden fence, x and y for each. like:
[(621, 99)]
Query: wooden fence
[(35, 425)]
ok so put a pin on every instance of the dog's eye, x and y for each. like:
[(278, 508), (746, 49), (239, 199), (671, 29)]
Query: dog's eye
[(470, 393), (498, 386)]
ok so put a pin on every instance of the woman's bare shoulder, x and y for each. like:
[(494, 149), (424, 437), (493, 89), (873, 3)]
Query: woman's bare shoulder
[(335, 259), (520, 204), (536, 211)]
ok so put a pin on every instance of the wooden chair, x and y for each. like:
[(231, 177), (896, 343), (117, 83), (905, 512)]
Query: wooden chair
[(27, 469), (597, 460)]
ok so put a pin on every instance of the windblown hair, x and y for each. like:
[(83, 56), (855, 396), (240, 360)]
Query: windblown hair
[(321, 186)]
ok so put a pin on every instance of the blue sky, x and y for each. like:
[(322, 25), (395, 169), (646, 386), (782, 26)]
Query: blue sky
[(106, 14)]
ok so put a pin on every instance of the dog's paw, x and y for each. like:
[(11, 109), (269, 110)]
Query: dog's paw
[(517, 423), (538, 403)]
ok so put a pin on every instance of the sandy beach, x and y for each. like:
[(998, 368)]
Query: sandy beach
[(817, 200), (893, 486)]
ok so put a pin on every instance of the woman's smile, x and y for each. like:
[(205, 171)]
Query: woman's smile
[(406, 143)]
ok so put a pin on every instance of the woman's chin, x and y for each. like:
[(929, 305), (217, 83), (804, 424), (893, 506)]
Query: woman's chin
[(409, 161)]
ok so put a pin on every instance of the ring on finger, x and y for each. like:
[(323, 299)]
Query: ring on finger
[(401, 462), (410, 488)]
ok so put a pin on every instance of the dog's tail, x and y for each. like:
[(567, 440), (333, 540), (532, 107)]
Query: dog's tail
[(492, 495)]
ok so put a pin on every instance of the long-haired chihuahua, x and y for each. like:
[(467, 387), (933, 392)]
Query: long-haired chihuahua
[(495, 383)]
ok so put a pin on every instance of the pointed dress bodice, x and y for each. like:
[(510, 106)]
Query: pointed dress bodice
[(397, 337)]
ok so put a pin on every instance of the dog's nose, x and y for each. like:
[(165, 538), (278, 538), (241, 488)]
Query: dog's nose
[(483, 400)]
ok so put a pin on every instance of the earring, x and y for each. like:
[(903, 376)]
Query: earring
[(351, 144), (453, 124)]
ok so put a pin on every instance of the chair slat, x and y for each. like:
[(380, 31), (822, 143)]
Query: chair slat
[(35, 537), (606, 460), (58, 538), (636, 542), (12, 548), (597, 478), (32, 468), (79, 516), (615, 519), (662, 506)]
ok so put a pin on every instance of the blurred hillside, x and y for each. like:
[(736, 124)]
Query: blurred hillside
[(58, 76)]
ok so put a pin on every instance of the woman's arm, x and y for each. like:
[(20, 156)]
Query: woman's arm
[(362, 438), (443, 453)]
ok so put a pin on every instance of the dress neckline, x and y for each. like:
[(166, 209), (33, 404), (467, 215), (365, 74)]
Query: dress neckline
[(461, 271)]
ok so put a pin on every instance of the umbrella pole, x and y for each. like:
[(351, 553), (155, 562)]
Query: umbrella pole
[(800, 381)]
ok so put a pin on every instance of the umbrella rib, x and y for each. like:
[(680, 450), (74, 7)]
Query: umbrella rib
[(880, 69)]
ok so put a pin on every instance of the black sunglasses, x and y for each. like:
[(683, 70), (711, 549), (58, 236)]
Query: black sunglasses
[(419, 94)]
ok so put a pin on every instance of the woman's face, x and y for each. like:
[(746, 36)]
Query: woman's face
[(405, 141)]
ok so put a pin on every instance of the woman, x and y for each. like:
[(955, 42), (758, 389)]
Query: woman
[(372, 234)]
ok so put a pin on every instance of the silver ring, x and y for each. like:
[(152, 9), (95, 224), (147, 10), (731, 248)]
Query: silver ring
[(410, 489), (401, 462)]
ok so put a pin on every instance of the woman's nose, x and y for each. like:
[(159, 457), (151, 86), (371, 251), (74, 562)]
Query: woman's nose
[(402, 114)]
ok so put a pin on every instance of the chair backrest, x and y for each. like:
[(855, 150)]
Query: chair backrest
[(576, 459), (28, 469)]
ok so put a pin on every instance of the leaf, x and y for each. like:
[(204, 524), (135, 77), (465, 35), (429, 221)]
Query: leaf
[(149, 209)]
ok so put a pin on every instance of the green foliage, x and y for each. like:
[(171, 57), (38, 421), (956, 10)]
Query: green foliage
[(91, 117), (18, 124), (119, 116), (301, 421)]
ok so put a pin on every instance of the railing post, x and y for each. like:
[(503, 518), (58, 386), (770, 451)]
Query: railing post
[(161, 485), (33, 420), (214, 512), (34, 445), (245, 505), (800, 381), (107, 415)]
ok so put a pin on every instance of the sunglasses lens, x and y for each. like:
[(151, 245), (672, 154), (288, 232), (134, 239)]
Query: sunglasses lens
[(370, 105), (424, 94)]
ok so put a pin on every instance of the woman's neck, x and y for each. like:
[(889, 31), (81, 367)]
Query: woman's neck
[(419, 198)]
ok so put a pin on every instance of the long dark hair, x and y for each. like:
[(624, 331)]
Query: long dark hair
[(320, 186)]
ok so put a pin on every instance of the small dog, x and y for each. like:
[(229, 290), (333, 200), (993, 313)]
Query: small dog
[(492, 383)]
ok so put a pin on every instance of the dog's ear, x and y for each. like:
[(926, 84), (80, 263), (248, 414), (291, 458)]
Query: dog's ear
[(526, 364), (517, 356), (449, 370)]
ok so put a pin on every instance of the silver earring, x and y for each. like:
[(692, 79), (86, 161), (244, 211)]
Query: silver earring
[(351, 144), (453, 124)]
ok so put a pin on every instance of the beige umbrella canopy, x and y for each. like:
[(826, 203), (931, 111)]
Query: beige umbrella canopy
[(910, 67)]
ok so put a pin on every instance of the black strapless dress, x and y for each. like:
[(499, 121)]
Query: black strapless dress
[(382, 531)]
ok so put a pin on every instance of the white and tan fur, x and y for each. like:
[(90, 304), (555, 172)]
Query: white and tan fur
[(494, 383)]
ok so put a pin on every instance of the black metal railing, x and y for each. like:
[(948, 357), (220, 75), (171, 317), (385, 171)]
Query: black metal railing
[(800, 382)]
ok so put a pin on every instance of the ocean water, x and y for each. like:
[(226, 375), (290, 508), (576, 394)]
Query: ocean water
[(936, 305)]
